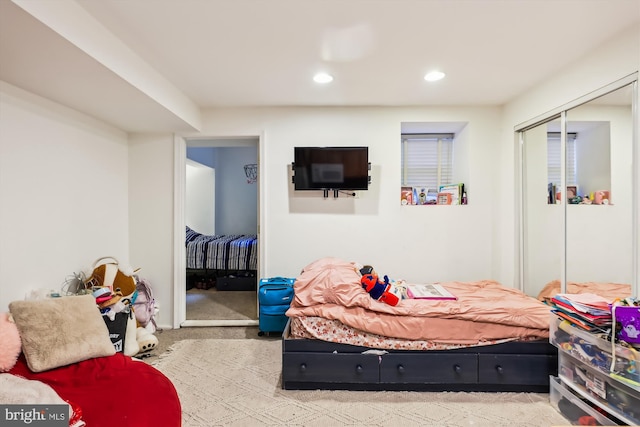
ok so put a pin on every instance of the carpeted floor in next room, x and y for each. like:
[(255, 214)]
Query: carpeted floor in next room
[(207, 304)]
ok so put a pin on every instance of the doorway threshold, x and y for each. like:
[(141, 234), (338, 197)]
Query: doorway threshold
[(208, 323)]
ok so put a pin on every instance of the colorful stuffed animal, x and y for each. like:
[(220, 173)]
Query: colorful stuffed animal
[(118, 284), (381, 291), (108, 273)]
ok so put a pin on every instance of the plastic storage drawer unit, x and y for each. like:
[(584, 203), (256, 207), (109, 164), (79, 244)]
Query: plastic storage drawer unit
[(615, 397), (575, 409), (595, 351)]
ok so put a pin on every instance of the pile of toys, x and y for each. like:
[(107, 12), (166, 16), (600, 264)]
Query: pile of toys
[(126, 302)]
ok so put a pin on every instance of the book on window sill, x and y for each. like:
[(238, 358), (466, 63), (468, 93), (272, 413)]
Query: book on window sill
[(456, 191), (431, 291)]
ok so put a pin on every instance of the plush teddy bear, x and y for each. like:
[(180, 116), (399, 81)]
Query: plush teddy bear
[(381, 291), (107, 272), (146, 340)]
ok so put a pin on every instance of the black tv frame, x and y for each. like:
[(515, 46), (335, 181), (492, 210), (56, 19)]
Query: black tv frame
[(326, 188)]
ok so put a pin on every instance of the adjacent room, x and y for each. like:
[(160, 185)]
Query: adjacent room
[(360, 213), (221, 216)]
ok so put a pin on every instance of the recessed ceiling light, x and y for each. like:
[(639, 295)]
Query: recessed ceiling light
[(323, 78), (434, 76)]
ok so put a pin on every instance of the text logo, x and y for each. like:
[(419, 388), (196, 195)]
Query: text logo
[(34, 415)]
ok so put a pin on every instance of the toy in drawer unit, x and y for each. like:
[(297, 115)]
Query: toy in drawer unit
[(621, 363), (274, 297), (576, 409), (629, 320), (619, 400)]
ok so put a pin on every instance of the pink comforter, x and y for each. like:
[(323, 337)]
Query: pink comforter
[(485, 310), (608, 291)]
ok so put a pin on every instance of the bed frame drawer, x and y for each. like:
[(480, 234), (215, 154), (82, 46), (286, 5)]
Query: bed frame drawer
[(515, 368), (351, 368), (309, 364), (429, 368)]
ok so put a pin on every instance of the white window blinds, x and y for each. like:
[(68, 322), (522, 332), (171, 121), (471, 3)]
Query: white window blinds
[(553, 159), (427, 160)]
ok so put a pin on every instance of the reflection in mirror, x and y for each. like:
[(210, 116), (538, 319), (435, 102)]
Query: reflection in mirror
[(587, 162), (582, 239), (541, 223), (599, 238)]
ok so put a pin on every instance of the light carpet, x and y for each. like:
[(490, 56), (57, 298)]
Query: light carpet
[(236, 382)]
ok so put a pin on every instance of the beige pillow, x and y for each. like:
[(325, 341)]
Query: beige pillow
[(60, 331)]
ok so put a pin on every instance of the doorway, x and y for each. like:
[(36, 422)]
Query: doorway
[(218, 287)]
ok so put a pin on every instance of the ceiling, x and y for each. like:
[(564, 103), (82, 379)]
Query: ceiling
[(155, 65)]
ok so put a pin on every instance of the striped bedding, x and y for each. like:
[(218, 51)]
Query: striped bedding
[(233, 252)]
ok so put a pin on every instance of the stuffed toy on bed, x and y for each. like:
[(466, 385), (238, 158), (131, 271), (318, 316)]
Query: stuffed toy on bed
[(379, 290)]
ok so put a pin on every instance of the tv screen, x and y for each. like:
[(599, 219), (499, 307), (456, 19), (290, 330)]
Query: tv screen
[(332, 168)]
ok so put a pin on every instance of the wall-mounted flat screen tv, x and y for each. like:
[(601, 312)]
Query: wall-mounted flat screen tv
[(331, 168)]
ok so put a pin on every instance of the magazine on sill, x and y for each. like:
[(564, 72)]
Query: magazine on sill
[(429, 291)]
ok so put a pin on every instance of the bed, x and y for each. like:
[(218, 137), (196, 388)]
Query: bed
[(228, 262), (492, 338)]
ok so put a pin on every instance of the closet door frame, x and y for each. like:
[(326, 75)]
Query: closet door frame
[(561, 112)]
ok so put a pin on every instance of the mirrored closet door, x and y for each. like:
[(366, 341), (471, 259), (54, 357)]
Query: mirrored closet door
[(599, 221), (541, 217), (579, 179)]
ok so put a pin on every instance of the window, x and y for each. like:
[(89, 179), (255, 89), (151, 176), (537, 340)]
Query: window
[(553, 158), (427, 160)]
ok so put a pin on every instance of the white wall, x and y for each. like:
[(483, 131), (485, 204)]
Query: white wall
[(200, 198), (411, 242), (63, 193), (151, 192), (236, 199)]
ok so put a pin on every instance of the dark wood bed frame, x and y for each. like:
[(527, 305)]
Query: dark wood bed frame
[(223, 280), (309, 364)]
